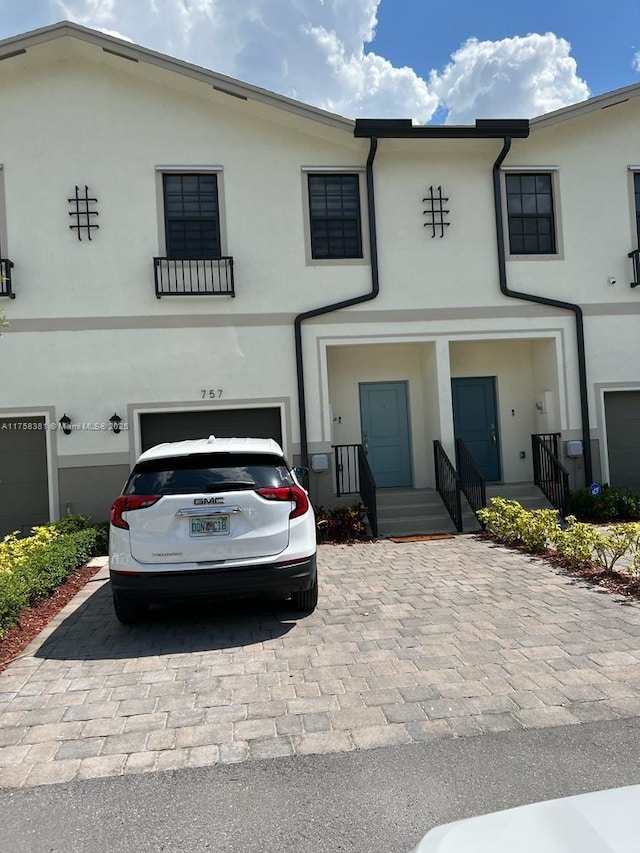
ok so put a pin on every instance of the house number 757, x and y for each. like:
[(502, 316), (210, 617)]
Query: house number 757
[(211, 393)]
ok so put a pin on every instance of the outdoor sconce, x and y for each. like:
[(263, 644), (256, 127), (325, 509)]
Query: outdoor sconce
[(65, 424), (115, 420)]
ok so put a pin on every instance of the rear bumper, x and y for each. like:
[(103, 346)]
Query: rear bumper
[(277, 579)]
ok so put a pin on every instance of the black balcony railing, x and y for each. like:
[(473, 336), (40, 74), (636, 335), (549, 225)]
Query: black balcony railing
[(448, 484), (203, 277), (470, 477), (354, 477), (5, 278), (549, 474), (635, 260)]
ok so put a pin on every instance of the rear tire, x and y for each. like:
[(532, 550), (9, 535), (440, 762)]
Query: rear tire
[(127, 611), (306, 599)]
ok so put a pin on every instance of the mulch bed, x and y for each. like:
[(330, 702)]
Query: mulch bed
[(37, 617)]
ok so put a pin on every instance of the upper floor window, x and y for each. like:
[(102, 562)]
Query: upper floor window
[(636, 187), (530, 213), (334, 216), (192, 216)]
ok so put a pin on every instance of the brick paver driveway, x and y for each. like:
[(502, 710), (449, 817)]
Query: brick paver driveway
[(410, 642)]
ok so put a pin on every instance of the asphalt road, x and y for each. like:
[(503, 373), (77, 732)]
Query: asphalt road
[(375, 801)]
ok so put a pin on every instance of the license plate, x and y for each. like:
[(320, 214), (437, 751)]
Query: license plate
[(216, 526)]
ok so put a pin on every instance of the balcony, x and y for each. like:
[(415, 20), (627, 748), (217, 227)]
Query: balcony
[(5, 278), (635, 259), (201, 277)]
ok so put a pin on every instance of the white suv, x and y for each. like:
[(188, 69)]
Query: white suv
[(212, 517)]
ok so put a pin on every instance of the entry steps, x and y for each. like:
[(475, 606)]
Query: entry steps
[(403, 512)]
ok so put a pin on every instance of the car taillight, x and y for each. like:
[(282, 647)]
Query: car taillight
[(288, 493), (127, 503)]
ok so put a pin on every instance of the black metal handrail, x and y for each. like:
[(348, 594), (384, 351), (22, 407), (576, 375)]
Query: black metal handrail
[(194, 277), (347, 471), (549, 474), (368, 490), (353, 476), (471, 480), (635, 257), (552, 440), (448, 484), (5, 278)]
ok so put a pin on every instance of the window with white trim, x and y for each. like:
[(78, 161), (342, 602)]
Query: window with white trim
[(191, 215), (530, 213), (335, 221)]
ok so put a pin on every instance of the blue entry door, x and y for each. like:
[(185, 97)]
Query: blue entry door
[(384, 415), (475, 421)]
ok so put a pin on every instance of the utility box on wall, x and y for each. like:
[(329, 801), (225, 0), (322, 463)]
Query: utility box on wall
[(574, 449), (320, 463)]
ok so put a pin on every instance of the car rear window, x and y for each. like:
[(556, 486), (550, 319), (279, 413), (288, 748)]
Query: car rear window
[(208, 472)]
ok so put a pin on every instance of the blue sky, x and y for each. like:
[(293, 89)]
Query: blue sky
[(439, 61), (604, 36)]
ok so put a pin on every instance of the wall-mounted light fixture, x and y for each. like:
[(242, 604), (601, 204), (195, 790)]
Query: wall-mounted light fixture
[(115, 420), (65, 424)]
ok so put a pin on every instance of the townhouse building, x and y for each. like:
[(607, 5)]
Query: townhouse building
[(401, 307)]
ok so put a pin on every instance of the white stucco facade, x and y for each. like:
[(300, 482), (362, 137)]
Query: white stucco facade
[(88, 337)]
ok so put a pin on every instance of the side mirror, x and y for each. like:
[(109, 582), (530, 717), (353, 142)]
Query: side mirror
[(300, 472)]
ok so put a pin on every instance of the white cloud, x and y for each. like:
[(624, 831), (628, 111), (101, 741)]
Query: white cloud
[(314, 50), (635, 62), (518, 77)]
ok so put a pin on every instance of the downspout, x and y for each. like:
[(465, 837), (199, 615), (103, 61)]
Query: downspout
[(336, 306), (543, 300)]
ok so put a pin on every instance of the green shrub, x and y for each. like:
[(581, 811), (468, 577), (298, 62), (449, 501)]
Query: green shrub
[(70, 523), (576, 543), (539, 528), (32, 567), (510, 522), (504, 519), (612, 504), (619, 540), (342, 524)]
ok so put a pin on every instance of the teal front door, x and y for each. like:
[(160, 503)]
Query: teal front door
[(475, 421), (384, 415)]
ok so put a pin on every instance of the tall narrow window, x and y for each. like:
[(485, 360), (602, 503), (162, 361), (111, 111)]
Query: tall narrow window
[(636, 186), (334, 210), (192, 218), (530, 213)]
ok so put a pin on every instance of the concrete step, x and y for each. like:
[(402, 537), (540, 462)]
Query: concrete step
[(404, 497), (404, 512), (425, 525), (527, 494)]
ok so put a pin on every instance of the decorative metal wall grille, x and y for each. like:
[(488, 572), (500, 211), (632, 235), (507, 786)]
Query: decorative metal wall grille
[(436, 212), (81, 212)]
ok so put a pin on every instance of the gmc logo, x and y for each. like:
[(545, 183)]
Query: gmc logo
[(200, 501)]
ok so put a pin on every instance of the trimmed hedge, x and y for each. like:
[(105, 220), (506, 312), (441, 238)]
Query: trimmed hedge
[(612, 504), (32, 568)]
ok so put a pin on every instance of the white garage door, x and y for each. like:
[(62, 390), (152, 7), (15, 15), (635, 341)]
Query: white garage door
[(622, 410), (24, 495), (225, 423)]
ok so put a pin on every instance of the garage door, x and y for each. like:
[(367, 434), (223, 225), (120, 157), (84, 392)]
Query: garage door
[(227, 423), (24, 496), (622, 410)]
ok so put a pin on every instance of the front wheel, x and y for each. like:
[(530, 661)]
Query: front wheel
[(306, 599), (127, 611)]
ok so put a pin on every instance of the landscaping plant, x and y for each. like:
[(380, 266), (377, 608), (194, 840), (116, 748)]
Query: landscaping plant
[(342, 524), (577, 542), (33, 566), (611, 504)]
